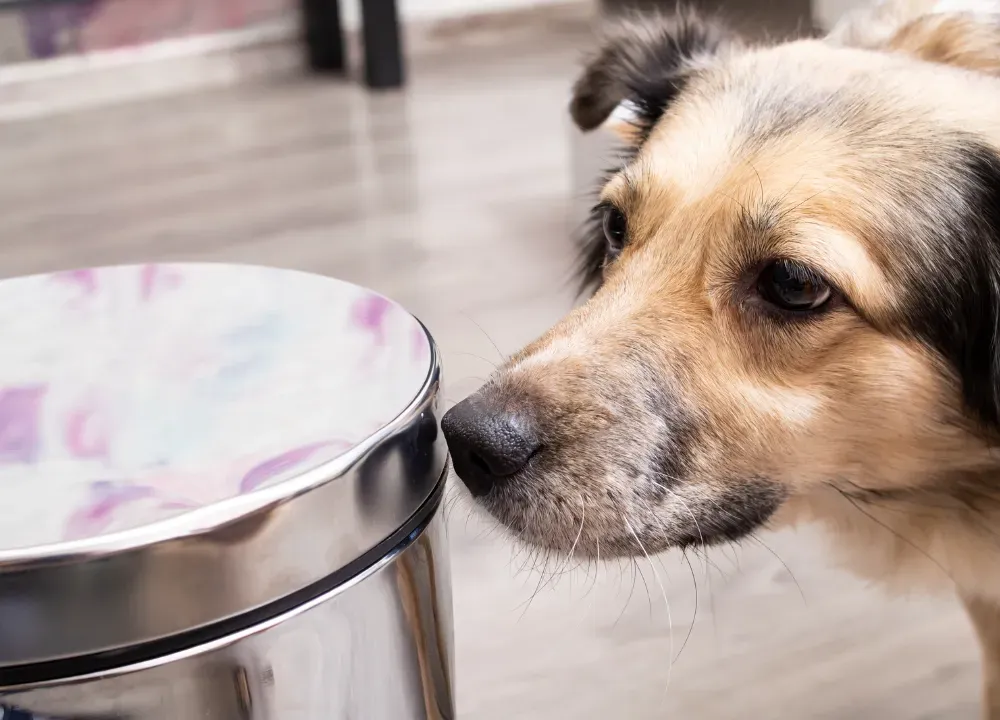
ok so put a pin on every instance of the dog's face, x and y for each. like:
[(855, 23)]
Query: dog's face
[(797, 288)]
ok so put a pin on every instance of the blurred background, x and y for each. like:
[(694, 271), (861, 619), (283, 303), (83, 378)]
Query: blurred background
[(136, 130)]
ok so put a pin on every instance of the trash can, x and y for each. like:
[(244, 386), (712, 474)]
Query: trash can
[(219, 493)]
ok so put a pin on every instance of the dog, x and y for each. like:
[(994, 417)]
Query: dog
[(793, 308)]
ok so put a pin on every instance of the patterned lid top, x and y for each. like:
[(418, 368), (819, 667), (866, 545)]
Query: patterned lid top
[(133, 394)]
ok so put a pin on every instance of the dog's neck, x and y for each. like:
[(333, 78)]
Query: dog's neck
[(942, 535)]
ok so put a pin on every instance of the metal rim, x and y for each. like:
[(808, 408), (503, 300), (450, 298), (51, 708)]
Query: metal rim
[(247, 544), (215, 637)]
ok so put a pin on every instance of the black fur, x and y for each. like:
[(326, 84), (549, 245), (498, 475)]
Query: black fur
[(647, 60), (743, 507), (593, 251), (673, 448), (954, 303)]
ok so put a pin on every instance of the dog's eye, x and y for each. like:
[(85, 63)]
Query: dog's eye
[(615, 229), (791, 286)]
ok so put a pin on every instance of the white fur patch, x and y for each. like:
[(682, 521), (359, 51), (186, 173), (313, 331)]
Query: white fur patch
[(623, 119), (792, 406), (627, 111), (561, 348)]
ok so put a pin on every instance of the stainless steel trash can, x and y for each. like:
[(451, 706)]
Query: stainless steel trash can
[(219, 491)]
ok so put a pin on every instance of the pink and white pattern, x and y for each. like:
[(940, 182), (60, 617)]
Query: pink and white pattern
[(132, 394)]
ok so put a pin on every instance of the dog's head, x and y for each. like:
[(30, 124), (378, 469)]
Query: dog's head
[(796, 288)]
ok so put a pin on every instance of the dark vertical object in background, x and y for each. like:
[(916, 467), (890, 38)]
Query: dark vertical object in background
[(755, 20), (383, 46), (324, 35)]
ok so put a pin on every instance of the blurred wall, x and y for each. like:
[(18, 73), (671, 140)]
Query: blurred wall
[(95, 25), (826, 13), (49, 30), (422, 10)]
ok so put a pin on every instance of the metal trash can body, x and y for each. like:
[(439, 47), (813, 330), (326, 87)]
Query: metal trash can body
[(265, 545)]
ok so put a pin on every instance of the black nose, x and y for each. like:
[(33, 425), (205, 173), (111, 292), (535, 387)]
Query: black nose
[(487, 444)]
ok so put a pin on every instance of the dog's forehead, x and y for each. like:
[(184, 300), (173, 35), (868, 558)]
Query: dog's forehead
[(812, 103), (788, 105)]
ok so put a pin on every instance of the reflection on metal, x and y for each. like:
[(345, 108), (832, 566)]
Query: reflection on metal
[(379, 646), (429, 635), (243, 691)]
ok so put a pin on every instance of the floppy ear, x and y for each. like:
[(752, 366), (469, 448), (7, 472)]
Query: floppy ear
[(963, 33), (953, 299), (643, 62), (975, 322)]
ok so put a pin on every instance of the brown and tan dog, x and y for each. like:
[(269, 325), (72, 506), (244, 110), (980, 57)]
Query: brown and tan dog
[(796, 312)]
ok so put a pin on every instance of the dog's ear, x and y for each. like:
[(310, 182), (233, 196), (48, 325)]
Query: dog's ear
[(963, 33), (643, 62), (979, 324), (954, 302)]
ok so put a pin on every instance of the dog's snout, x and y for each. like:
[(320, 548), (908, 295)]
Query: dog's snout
[(487, 443)]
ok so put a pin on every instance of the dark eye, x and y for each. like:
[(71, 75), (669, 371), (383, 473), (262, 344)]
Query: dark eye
[(791, 286), (615, 229)]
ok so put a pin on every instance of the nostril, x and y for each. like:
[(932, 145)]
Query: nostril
[(479, 463)]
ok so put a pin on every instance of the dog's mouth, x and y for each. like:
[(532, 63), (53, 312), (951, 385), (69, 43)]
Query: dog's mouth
[(580, 527), (603, 519)]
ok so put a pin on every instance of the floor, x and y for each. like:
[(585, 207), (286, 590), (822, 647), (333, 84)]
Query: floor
[(456, 198)]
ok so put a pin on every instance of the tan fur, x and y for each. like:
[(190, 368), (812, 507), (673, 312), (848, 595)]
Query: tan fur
[(920, 29), (862, 427), (985, 616), (954, 40)]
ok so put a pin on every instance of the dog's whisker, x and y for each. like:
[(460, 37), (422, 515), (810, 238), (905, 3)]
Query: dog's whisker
[(753, 536), (530, 560), (666, 600), (645, 585), (526, 605), (760, 183), (894, 532), (543, 582), (709, 563), (694, 616), (486, 334), (694, 519), (920, 502), (597, 568), (628, 600), (537, 561), (477, 357), (711, 600), (735, 560)]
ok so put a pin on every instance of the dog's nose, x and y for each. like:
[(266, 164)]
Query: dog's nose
[(487, 444)]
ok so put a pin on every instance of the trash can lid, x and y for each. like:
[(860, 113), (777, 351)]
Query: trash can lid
[(184, 444)]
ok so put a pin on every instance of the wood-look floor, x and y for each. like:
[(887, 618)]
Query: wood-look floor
[(455, 199)]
